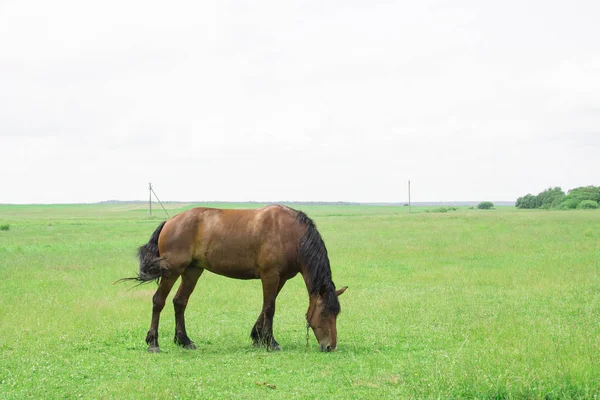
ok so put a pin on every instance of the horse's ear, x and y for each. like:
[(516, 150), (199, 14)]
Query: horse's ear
[(340, 291)]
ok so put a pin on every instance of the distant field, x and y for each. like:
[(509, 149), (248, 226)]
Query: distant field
[(480, 304)]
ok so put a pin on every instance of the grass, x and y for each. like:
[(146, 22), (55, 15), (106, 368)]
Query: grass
[(467, 304)]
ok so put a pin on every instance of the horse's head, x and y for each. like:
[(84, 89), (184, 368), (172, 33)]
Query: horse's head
[(321, 317)]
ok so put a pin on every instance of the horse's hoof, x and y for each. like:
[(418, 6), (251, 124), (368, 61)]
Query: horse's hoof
[(276, 348), (190, 346), (153, 349)]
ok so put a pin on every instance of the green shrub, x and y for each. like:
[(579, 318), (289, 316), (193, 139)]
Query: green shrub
[(556, 198), (588, 205), (442, 210), (568, 204), (527, 201), (485, 205), (437, 210), (580, 194), (550, 197), (4, 227)]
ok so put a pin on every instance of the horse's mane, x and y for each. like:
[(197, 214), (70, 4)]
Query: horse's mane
[(312, 253)]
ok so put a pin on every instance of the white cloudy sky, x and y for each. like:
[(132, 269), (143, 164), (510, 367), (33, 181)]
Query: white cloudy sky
[(281, 100)]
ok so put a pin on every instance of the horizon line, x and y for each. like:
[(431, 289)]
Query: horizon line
[(308, 202)]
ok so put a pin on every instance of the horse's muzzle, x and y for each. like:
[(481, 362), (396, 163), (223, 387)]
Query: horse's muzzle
[(326, 348)]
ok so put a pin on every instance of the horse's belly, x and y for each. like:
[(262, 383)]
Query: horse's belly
[(232, 264), (232, 271)]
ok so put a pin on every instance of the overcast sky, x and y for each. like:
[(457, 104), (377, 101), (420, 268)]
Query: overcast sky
[(281, 100)]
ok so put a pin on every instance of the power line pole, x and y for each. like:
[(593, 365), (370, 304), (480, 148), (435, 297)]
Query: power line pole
[(159, 202), (150, 200), (152, 192), (409, 196)]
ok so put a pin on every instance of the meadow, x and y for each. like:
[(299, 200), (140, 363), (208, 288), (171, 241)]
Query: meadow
[(499, 303)]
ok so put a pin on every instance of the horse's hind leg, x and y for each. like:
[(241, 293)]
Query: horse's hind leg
[(262, 332), (188, 283), (158, 303)]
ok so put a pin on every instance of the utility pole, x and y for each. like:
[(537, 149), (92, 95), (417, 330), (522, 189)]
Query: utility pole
[(150, 200), (152, 192), (409, 196)]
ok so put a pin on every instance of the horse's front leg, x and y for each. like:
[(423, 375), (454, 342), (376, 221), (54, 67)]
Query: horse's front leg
[(262, 332), (188, 283), (158, 303)]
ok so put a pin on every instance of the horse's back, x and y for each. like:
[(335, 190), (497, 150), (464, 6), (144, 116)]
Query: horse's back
[(241, 244)]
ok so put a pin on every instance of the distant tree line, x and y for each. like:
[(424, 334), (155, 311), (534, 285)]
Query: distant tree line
[(581, 197)]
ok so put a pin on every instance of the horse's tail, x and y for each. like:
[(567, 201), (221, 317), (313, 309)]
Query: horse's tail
[(152, 265)]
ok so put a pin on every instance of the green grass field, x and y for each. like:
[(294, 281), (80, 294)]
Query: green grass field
[(465, 304)]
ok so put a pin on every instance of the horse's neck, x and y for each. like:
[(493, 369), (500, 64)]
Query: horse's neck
[(306, 277), (308, 281)]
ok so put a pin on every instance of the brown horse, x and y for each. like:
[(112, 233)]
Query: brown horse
[(272, 244)]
